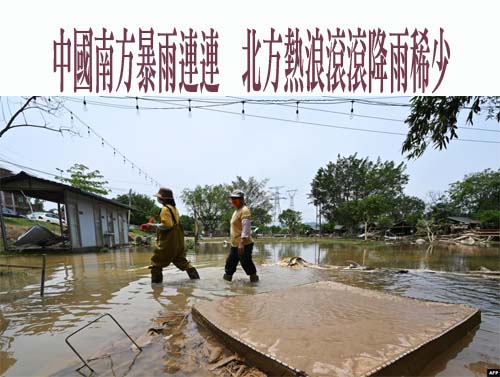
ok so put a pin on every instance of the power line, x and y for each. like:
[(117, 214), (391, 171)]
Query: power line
[(51, 174), (115, 150), (402, 121), (338, 127), (287, 103)]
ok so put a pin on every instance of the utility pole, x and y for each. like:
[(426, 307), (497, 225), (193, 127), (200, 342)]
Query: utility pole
[(277, 198), (318, 218), (291, 194), (319, 215)]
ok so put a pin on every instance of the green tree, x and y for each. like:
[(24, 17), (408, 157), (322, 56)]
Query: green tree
[(434, 120), (370, 208), (407, 208), (187, 223), (356, 190), (490, 218), (257, 198), (208, 203), (476, 192), (37, 205), (90, 181), (291, 219), (143, 207), (440, 208)]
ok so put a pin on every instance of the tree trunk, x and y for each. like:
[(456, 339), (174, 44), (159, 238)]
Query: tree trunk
[(366, 230)]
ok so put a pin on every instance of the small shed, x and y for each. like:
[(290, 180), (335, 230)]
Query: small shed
[(461, 223), (339, 230), (93, 221), (402, 228)]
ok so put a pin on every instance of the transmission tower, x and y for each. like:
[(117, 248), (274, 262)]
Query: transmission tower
[(277, 198), (291, 194)]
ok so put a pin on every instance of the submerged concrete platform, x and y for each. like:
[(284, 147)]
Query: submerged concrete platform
[(331, 329)]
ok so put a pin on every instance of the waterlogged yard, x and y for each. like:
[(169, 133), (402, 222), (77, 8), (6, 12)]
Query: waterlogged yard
[(80, 287)]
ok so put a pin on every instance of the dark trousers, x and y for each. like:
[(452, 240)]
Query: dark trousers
[(246, 261)]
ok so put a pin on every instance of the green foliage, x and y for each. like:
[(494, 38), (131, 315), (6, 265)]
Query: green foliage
[(329, 227), (143, 207), (490, 218), (435, 119), (440, 208), (291, 219), (407, 208), (208, 203), (355, 190), (189, 244), (477, 195), (187, 223), (90, 181), (476, 192)]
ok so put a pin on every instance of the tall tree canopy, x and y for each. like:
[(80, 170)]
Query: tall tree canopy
[(208, 203), (355, 190), (291, 219)]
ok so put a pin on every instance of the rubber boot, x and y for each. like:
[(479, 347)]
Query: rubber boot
[(227, 277), (254, 278), (192, 273), (156, 274)]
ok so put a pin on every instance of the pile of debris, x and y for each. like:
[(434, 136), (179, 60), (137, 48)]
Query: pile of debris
[(476, 237), (189, 353)]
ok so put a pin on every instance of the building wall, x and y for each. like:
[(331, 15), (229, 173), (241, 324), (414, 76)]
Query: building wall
[(13, 201), (87, 225), (97, 223)]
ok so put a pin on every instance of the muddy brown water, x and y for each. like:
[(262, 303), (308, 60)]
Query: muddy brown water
[(80, 287)]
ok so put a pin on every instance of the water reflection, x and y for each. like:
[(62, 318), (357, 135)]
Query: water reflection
[(80, 287)]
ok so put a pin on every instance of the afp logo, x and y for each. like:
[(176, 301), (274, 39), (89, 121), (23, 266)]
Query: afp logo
[(493, 373)]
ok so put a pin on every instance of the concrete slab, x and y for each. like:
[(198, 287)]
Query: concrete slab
[(328, 328)]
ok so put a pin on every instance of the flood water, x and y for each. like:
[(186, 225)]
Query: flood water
[(81, 287)]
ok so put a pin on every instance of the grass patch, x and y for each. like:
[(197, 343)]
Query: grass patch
[(29, 223), (138, 232)]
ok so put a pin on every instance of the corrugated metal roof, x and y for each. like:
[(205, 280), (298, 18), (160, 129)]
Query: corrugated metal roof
[(465, 220), (55, 193)]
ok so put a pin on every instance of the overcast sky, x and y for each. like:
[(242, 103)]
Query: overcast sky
[(213, 147)]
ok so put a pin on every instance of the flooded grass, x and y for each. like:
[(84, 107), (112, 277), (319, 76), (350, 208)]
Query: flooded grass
[(80, 287)]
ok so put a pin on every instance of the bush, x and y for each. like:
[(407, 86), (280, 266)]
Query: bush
[(489, 218)]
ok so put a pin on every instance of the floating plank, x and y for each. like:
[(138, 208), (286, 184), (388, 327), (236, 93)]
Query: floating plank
[(327, 328)]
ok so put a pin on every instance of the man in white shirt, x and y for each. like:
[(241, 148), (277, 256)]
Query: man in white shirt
[(241, 239)]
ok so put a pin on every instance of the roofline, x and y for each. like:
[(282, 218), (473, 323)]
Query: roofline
[(62, 186)]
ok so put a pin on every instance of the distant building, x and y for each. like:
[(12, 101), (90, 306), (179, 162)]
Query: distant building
[(93, 221), (339, 230), (15, 201), (402, 228), (460, 223)]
